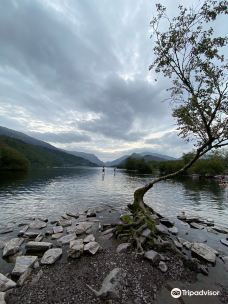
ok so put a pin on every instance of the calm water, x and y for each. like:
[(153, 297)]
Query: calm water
[(52, 192)]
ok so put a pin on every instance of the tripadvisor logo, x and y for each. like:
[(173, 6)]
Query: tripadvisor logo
[(177, 293)]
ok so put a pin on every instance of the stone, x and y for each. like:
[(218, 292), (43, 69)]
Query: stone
[(162, 266), (173, 230), (39, 238), (146, 232), (110, 230), (23, 263), (166, 222), (82, 227), (89, 238), (65, 217), (2, 244), (76, 248), (178, 244), (6, 283), (203, 269), (56, 236), (37, 224), (2, 297), (225, 260), (204, 251), (53, 222), (153, 256), (107, 236), (92, 247), (123, 247), (57, 229), (66, 239), (24, 277), (23, 230), (224, 242), (220, 229), (196, 225), (161, 229), (187, 245), (182, 216), (38, 246), (210, 229), (71, 214), (12, 246), (43, 219), (49, 232), (64, 223), (192, 218), (6, 230), (51, 256), (31, 234), (111, 285), (91, 213)]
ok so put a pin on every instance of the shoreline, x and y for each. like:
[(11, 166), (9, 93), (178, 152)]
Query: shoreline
[(142, 275)]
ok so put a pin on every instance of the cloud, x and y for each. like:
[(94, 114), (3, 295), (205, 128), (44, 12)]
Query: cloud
[(63, 137)]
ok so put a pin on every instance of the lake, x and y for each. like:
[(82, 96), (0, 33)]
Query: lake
[(51, 192)]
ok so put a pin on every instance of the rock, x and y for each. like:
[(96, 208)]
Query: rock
[(38, 246), (76, 248), (2, 244), (92, 247), (2, 298), (161, 229), (71, 214), (192, 218), (173, 230), (91, 213), (178, 244), (39, 238), (43, 219), (123, 247), (66, 239), (146, 232), (51, 256), (65, 217), (6, 230), (36, 265), (24, 277), (56, 236), (224, 242), (111, 284), (204, 251), (49, 232), (162, 266), (31, 234), (196, 226), (203, 269), (23, 230), (82, 227), (23, 224), (57, 229), (164, 257), (37, 277), (166, 222), (6, 283), (153, 256), (110, 230), (225, 260), (187, 244), (55, 221), (107, 236), (64, 223), (37, 224), (12, 246), (182, 216), (220, 229), (89, 238), (23, 263), (210, 229)]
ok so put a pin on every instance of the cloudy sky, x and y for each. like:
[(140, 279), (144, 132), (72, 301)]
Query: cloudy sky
[(75, 73)]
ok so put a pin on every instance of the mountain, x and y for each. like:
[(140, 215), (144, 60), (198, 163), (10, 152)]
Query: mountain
[(36, 156), (91, 157), (25, 138), (148, 156)]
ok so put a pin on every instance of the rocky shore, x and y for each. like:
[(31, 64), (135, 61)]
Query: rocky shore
[(78, 259)]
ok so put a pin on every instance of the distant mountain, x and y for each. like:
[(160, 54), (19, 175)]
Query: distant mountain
[(39, 156), (148, 156), (25, 138), (91, 157)]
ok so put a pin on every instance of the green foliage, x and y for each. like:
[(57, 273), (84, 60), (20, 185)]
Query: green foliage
[(137, 164), (11, 159), (41, 157), (126, 219)]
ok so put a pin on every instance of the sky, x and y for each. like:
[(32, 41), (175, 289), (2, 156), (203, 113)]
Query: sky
[(74, 73)]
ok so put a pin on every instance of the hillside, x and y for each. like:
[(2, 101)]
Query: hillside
[(91, 157), (40, 157)]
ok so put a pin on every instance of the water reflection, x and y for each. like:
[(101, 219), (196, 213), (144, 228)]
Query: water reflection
[(53, 191)]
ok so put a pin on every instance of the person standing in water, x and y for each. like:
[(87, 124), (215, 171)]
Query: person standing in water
[(114, 171), (103, 170)]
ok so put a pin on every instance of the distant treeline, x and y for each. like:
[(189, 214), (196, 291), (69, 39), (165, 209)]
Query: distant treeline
[(16, 155), (214, 164)]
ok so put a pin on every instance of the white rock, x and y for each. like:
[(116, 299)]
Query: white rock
[(123, 247), (6, 283), (204, 251), (51, 256), (162, 266), (82, 227), (23, 263), (64, 223), (146, 232), (92, 247), (110, 230), (89, 238), (57, 229), (224, 242), (23, 230), (173, 230), (12, 246), (37, 224), (2, 298), (31, 234), (66, 239), (56, 236), (76, 248), (153, 256), (38, 246), (39, 238)]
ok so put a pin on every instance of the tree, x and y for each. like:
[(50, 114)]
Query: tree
[(190, 55)]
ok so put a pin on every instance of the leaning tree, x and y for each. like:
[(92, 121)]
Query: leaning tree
[(190, 54)]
